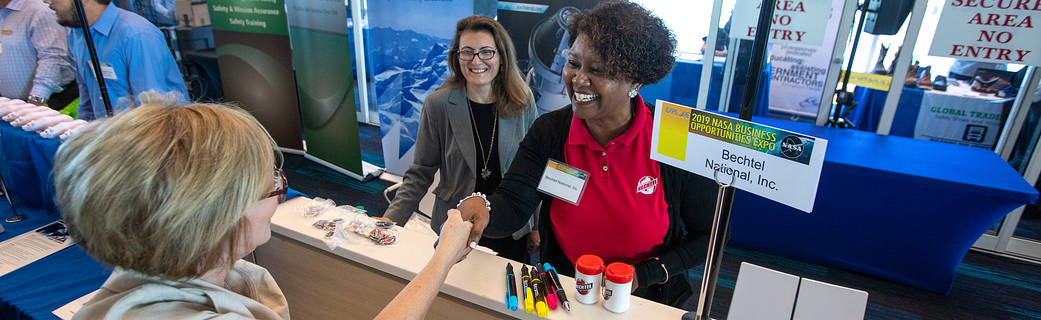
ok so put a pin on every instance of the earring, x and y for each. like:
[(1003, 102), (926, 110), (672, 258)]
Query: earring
[(632, 93)]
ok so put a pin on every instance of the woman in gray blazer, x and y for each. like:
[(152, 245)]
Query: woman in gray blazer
[(470, 129)]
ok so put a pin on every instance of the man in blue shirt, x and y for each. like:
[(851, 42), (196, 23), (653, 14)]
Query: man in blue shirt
[(133, 53), (34, 52)]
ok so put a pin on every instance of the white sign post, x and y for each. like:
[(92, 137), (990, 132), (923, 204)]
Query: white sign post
[(1001, 31), (794, 21), (776, 164)]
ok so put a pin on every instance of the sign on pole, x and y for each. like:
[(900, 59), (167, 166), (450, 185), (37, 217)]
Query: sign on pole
[(794, 21), (777, 164), (999, 31)]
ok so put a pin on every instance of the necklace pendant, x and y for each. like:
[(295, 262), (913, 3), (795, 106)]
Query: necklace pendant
[(485, 173)]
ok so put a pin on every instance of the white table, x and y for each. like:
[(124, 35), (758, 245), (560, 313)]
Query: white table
[(358, 279)]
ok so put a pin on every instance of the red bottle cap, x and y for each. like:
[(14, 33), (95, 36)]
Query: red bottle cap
[(589, 264), (620, 272)]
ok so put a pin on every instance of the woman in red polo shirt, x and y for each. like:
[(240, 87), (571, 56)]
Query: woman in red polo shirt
[(633, 209)]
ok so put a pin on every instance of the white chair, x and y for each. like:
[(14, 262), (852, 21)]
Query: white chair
[(763, 294), (823, 301)]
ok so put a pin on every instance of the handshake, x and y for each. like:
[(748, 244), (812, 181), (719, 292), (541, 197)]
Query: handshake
[(463, 228)]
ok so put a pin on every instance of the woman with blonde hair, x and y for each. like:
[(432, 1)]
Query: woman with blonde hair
[(470, 129), (174, 197)]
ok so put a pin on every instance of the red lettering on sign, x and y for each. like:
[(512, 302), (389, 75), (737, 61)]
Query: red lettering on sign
[(782, 19), (788, 5), (1002, 37), (988, 53), (1006, 20), (1034, 5)]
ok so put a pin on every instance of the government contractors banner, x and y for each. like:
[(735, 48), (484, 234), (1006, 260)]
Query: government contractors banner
[(255, 64), (322, 58), (776, 164), (407, 43), (799, 70)]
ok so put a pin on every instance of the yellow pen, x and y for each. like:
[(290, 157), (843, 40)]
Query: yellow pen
[(540, 294), (529, 299)]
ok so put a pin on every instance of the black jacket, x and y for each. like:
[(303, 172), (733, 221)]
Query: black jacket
[(691, 200)]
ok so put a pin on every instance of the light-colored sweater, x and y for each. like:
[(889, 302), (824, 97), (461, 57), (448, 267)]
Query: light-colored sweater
[(253, 294)]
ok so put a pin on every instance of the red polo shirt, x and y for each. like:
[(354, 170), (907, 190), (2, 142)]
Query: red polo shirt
[(622, 214)]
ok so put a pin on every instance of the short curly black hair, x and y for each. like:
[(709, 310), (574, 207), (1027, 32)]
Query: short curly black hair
[(633, 43)]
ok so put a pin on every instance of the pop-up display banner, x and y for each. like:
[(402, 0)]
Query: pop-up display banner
[(1001, 31), (407, 44), (322, 58), (256, 64), (776, 164)]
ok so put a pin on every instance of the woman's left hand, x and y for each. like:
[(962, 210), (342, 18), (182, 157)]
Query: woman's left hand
[(533, 242)]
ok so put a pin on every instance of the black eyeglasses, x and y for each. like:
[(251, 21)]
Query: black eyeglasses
[(468, 55), (281, 186)]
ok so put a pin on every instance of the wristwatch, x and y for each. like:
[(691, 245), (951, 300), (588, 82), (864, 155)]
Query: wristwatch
[(37, 99)]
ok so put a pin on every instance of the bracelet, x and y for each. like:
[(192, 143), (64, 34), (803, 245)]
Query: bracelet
[(663, 268), (487, 204)]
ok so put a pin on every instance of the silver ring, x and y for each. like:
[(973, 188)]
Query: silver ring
[(715, 175)]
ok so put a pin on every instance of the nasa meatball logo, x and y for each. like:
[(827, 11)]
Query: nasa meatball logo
[(583, 286), (646, 185), (791, 146)]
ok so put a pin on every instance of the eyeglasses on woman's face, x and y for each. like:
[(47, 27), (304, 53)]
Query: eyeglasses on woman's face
[(469, 54), (280, 186)]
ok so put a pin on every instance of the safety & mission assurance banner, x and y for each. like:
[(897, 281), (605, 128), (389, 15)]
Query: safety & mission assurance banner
[(777, 164)]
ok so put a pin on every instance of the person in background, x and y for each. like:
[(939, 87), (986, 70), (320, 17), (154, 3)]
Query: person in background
[(633, 209), (34, 52), (174, 196), (469, 130), (132, 52)]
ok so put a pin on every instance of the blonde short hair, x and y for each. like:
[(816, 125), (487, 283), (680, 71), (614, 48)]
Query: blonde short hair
[(161, 189)]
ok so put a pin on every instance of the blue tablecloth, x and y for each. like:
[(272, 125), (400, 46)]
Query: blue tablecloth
[(683, 83), (25, 164), (34, 291), (870, 103), (894, 207)]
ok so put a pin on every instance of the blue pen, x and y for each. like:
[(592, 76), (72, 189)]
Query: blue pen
[(511, 290)]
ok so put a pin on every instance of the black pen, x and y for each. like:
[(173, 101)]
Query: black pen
[(552, 272)]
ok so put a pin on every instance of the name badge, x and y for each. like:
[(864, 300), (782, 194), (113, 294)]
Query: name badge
[(107, 71), (563, 182)]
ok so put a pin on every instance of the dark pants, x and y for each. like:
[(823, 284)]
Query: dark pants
[(507, 247), (59, 100)]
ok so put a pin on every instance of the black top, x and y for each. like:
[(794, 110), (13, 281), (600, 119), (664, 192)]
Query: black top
[(484, 115), (691, 200)]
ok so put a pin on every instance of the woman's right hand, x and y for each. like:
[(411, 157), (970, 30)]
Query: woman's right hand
[(455, 233), (473, 210)]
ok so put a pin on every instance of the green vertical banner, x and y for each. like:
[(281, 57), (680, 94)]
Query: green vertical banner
[(322, 59), (255, 61)]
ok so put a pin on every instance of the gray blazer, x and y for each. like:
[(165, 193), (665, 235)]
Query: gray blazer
[(446, 142)]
